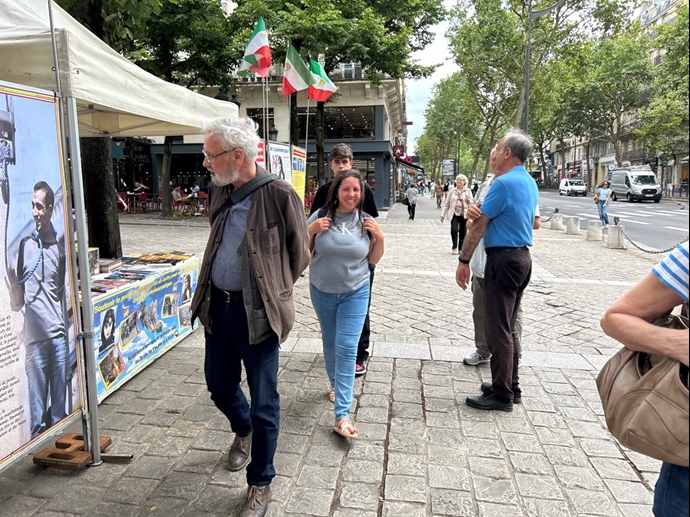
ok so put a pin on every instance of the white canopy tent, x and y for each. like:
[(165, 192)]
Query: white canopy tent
[(114, 96), (105, 95)]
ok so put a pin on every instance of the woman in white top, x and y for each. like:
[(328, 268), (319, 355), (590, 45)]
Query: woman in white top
[(412, 194), (457, 203)]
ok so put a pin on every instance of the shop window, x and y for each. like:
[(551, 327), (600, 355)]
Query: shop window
[(256, 114), (340, 123)]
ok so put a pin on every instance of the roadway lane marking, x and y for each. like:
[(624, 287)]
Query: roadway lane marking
[(629, 214), (678, 229), (632, 222)]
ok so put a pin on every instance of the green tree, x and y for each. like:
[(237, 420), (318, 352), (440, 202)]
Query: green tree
[(185, 44), (665, 120)]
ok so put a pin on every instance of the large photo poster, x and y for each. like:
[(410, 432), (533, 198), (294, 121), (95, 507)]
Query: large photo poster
[(299, 170), (279, 161), (139, 322), (39, 371)]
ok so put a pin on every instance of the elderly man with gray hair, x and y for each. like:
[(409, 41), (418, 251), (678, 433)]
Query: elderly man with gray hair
[(258, 248), (506, 220), (458, 201)]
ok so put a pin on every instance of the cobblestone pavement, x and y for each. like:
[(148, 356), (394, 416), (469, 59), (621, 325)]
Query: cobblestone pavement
[(422, 452)]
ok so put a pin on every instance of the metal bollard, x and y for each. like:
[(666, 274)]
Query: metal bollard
[(556, 222), (615, 238), (573, 226), (594, 232)]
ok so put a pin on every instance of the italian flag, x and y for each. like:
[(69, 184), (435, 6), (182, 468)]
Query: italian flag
[(297, 76), (323, 87), (257, 57)]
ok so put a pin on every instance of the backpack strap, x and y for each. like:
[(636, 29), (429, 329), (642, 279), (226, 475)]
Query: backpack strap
[(238, 195)]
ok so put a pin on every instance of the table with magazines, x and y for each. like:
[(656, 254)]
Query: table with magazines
[(142, 308)]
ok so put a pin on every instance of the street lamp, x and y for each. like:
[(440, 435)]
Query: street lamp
[(457, 153), (528, 67), (273, 133)]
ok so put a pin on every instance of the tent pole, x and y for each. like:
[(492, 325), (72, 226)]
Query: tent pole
[(91, 420)]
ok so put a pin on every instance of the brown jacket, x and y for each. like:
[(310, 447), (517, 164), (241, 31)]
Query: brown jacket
[(272, 256)]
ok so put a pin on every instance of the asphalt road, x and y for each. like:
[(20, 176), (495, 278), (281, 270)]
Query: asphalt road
[(651, 225)]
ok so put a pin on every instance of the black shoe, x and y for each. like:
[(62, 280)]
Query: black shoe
[(360, 367), (239, 453), (517, 395), (256, 502), (489, 402)]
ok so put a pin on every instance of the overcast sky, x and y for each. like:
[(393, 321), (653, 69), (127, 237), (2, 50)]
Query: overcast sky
[(419, 90)]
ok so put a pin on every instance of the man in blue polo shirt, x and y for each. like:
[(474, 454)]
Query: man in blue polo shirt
[(506, 225)]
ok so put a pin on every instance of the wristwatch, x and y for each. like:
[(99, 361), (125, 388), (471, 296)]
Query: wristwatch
[(462, 261)]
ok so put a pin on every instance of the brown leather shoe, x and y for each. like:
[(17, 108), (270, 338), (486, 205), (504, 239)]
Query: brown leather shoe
[(256, 502), (239, 453)]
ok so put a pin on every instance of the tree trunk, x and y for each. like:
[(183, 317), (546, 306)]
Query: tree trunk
[(164, 177), (100, 197), (320, 146)]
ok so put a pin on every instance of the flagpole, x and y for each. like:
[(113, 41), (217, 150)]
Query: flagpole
[(306, 134)]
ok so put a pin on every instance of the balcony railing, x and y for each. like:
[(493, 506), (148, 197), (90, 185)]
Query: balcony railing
[(635, 154)]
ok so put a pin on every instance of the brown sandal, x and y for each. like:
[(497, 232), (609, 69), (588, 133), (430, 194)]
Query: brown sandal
[(331, 395), (345, 428)]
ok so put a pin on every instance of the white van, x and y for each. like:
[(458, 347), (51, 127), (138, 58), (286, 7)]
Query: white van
[(635, 184), (572, 187)]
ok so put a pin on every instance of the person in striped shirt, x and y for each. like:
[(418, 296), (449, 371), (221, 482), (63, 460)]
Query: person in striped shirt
[(664, 288)]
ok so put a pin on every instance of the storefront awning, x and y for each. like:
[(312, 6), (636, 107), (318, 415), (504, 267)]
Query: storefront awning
[(410, 165)]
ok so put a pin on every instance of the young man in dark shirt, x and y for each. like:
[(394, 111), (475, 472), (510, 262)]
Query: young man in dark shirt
[(340, 159)]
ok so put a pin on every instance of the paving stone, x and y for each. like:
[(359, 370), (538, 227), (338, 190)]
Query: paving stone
[(406, 410), (307, 501), (396, 509), (443, 420), (360, 496), (440, 405), (21, 506), (405, 395), (635, 510), (442, 455), (592, 430), (454, 478), (286, 463), (219, 499), (407, 464), (488, 468), (528, 463), (609, 468), (546, 508), (405, 488), (579, 477), (554, 436), (499, 491), (498, 510), (181, 485), (200, 462), (480, 429), (521, 443), (483, 448), (629, 492), (76, 499), (452, 502), (600, 448), (374, 432), (571, 456), (360, 471), (538, 486), (292, 443), (591, 503), (318, 477)]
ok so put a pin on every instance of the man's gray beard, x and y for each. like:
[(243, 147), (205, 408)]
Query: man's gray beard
[(223, 181)]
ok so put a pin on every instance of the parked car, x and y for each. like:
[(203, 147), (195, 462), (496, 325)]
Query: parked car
[(635, 184), (572, 187)]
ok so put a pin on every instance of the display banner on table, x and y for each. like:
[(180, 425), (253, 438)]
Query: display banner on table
[(280, 162), (139, 322), (299, 170), (40, 379)]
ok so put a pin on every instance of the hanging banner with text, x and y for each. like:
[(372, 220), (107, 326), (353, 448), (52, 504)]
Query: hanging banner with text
[(299, 170), (40, 379), (138, 323)]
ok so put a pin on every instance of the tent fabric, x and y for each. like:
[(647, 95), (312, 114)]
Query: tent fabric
[(114, 96)]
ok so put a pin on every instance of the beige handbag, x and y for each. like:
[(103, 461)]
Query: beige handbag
[(645, 399)]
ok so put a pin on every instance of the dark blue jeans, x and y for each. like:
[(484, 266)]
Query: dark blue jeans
[(227, 347), (47, 366), (671, 492)]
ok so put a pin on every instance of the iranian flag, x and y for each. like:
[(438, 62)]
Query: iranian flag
[(257, 57), (323, 87), (297, 76)]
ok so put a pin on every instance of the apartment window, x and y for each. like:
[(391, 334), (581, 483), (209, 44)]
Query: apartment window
[(340, 123), (256, 114)]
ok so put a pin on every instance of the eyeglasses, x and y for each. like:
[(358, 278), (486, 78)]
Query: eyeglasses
[(210, 156)]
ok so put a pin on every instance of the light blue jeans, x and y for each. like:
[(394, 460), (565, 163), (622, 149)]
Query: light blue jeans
[(603, 212), (341, 317)]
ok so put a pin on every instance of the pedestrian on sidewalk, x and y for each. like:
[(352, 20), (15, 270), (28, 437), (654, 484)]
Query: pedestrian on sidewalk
[(257, 250), (412, 194), (340, 159), (438, 190), (458, 202), (344, 241), (602, 198), (506, 224), (627, 320)]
